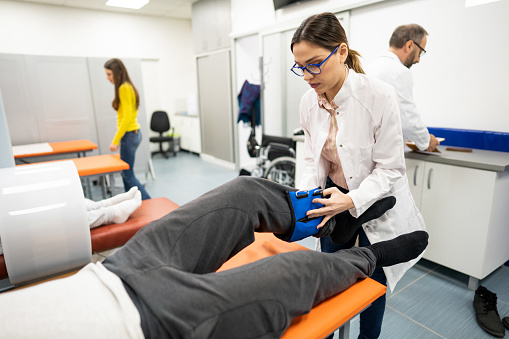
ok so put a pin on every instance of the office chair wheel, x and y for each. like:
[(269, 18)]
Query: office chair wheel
[(282, 171)]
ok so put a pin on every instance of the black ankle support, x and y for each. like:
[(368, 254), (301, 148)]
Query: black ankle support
[(346, 225)]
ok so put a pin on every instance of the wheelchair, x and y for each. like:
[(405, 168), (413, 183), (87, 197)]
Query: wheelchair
[(275, 159)]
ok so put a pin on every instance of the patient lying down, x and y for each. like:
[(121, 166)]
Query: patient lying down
[(162, 283), (114, 210)]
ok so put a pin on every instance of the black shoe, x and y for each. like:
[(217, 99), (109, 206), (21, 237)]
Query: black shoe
[(506, 322), (486, 313)]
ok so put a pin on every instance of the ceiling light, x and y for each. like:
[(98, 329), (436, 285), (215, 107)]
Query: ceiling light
[(133, 4)]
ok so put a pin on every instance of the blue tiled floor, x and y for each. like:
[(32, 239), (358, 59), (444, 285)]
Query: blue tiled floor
[(185, 177), (430, 301)]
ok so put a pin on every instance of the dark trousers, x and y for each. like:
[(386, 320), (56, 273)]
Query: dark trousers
[(169, 267), (128, 146), (371, 318)]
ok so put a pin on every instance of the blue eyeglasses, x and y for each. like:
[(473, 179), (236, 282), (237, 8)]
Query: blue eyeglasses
[(311, 68)]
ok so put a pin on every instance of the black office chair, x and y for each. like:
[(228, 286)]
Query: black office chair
[(160, 122)]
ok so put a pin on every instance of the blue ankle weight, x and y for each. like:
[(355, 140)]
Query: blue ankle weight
[(301, 202)]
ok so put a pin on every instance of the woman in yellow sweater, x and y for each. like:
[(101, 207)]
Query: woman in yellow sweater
[(128, 135)]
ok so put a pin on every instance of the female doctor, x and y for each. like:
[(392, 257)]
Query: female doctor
[(353, 146)]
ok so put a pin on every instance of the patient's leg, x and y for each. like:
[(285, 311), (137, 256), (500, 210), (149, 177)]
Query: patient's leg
[(262, 298), (197, 237), (202, 234), (347, 225)]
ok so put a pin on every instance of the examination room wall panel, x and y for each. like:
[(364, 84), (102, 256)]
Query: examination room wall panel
[(14, 85), (60, 90), (29, 28), (461, 82), (273, 94), (216, 105)]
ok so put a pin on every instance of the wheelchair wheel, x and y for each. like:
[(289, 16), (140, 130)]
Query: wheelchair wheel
[(282, 171)]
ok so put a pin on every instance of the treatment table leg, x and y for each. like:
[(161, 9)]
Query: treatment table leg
[(344, 331)]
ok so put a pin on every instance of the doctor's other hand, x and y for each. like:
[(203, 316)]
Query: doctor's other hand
[(433, 143), (334, 203), (113, 147)]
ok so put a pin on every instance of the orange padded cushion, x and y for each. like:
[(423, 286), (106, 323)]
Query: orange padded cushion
[(99, 164), (325, 317), (94, 165), (115, 235), (61, 147)]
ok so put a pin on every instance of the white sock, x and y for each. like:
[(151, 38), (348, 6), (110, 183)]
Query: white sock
[(121, 197), (115, 214), (95, 205), (96, 217), (122, 211)]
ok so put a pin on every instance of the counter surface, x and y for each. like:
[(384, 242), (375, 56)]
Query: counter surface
[(479, 159)]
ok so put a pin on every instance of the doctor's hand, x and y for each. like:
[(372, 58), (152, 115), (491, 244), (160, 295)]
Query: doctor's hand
[(433, 143), (336, 203), (113, 147)]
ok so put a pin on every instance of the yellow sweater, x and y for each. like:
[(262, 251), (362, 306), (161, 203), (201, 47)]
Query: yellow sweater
[(126, 113)]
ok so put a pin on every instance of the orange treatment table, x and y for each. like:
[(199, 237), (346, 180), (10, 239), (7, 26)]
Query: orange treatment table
[(104, 165), (73, 146), (325, 317)]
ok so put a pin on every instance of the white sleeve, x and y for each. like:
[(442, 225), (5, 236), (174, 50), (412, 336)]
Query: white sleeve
[(309, 175), (387, 156), (411, 122)]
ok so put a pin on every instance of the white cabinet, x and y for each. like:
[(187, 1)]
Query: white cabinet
[(465, 213), (211, 21), (415, 173), (188, 127)]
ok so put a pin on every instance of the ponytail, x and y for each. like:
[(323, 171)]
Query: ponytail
[(353, 61)]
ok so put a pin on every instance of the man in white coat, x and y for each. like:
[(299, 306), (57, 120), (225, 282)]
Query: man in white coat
[(407, 46)]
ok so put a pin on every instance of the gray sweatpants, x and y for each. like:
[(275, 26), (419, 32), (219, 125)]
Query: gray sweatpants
[(169, 267)]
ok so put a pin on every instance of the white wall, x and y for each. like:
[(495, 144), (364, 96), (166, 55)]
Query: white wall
[(166, 45), (460, 83), (248, 15)]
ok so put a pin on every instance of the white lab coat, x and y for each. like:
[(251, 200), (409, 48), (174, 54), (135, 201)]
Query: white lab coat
[(370, 146), (388, 68)]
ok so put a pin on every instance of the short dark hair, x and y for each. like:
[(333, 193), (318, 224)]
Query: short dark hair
[(405, 33)]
